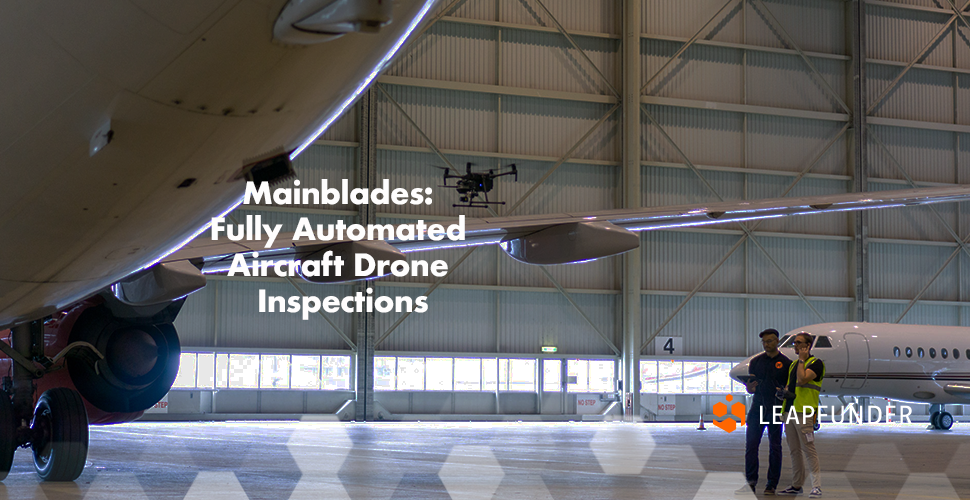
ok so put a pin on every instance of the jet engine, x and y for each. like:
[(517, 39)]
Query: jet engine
[(134, 361)]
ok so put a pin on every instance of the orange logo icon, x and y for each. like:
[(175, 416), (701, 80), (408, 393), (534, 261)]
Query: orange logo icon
[(721, 411), (779, 365)]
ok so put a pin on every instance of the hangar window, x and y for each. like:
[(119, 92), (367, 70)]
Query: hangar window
[(670, 378), (185, 379), (591, 375), (468, 374), (896, 352), (719, 378), (552, 375), (695, 377), (932, 352), (439, 374), (305, 372), (823, 342), (243, 371), (919, 352), (648, 376), (274, 371), (410, 374), (943, 353), (909, 352)]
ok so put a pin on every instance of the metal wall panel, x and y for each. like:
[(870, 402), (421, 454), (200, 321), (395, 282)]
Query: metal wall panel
[(549, 127), (913, 223), (791, 144), (702, 72), (785, 81), (597, 16), (707, 137), (456, 321), (898, 35), (710, 326), (921, 95), (453, 119), (961, 98), (242, 325), (901, 271), (548, 61), (573, 186), (531, 320), (196, 322), (816, 267), (817, 26), (485, 10), (679, 186), (454, 52), (678, 260), (920, 314), (924, 155), (679, 18), (324, 162), (597, 274), (289, 220)]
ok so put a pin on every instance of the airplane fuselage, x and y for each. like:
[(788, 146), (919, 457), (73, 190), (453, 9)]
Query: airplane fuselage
[(191, 92), (919, 363)]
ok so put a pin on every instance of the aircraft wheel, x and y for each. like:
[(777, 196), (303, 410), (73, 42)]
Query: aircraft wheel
[(944, 421), (59, 435), (935, 420), (8, 440)]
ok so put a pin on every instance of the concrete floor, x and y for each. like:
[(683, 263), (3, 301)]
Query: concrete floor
[(486, 460)]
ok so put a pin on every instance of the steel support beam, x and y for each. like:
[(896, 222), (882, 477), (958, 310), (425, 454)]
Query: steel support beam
[(856, 30), (364, 322), (632, 197)]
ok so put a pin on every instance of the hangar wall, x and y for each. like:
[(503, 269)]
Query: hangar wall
[(743, 99)]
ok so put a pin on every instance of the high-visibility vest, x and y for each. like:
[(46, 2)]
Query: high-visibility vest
[(806, 394)]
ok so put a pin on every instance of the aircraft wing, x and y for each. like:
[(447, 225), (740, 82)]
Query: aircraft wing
[(578, 236)]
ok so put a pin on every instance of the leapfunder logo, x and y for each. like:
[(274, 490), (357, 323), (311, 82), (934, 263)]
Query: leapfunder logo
[(721, 411)]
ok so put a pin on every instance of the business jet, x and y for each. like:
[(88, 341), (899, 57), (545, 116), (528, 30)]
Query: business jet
[(127, 127), (917, 363)]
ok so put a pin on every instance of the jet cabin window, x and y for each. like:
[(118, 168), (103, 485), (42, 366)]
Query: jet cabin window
[(909, 352), (919, 352), (956, 354), (896, 351), (943, 353), (932, 353)]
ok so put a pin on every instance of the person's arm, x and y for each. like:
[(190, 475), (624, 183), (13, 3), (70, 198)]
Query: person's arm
[(803, 373)]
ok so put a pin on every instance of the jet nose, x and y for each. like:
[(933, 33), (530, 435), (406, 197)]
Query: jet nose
[(740, 370)]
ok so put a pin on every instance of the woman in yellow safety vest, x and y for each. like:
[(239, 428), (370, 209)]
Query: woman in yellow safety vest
[(805, 382)]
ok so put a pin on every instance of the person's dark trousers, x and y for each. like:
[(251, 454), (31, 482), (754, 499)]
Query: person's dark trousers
[(755, 429)]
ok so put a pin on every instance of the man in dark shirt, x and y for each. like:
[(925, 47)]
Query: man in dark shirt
[(769, 372)]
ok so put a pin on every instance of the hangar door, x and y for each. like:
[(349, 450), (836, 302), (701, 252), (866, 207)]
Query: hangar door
[(857, 368)]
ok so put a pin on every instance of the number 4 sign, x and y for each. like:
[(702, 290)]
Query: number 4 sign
[(669, 346)]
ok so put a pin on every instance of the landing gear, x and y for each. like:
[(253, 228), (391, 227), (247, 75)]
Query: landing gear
[(59, 433), (940, 419), (56, 429), (8, 438)]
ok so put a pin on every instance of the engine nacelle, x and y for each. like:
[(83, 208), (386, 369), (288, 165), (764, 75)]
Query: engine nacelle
[(571, 243), (141, 359)]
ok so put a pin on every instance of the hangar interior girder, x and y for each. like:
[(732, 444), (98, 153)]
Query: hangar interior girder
[(721, 100)]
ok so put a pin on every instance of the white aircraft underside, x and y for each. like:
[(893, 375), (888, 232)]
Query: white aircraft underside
[(189, 90)]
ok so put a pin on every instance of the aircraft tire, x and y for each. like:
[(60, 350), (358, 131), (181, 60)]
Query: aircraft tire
[(59, 435), (944, 421), (8, 440), (935, 420)]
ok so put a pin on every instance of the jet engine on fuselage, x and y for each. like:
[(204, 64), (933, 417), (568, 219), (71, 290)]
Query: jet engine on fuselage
[(123, 366)]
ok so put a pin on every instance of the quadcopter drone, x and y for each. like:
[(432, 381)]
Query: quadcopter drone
[(473, 187)]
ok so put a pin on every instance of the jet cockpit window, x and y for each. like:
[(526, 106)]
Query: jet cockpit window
[(789, 342), (823, 341)]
